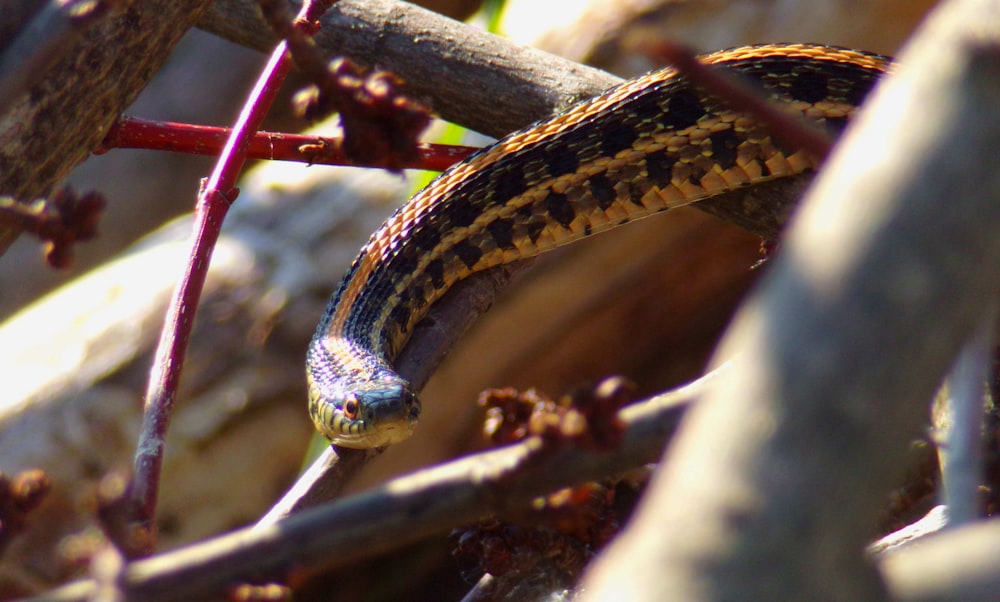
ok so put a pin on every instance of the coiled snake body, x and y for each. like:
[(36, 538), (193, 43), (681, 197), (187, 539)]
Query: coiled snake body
[(645, 146)]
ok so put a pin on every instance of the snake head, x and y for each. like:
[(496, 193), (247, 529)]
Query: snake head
[(377, 413)]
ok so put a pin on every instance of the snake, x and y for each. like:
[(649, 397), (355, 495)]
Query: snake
[(642, 147)]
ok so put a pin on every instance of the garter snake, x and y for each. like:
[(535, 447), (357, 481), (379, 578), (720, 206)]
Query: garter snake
[(647, 145)]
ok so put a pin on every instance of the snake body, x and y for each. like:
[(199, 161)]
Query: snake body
[(642, 147)]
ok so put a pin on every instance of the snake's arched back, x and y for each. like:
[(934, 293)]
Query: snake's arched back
[(645, 146)]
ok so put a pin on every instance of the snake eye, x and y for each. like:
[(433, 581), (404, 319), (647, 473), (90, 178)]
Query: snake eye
[(351, 408)]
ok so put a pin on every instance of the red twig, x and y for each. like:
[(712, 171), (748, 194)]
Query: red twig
[(133, 132), (216, 196)]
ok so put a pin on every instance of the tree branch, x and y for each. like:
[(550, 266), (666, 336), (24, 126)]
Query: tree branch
[(57, 123), (504, 86), (881, 281), (402, 511)]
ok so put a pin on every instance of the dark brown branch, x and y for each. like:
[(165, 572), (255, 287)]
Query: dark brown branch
[(952, 565), (402, 511)]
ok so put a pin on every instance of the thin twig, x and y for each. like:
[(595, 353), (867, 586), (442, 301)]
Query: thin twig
[(935, 520), (213, 204), (135, 132), (961, 467)]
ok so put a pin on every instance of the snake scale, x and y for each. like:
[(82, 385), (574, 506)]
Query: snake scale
[(647, 145)]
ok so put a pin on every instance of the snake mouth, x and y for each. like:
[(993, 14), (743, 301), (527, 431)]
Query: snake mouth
[(391, 415), (380, 434)]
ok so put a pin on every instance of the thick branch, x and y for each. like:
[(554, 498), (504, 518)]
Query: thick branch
[(402, 511), (503, 86), (61, 119), (889, 268)]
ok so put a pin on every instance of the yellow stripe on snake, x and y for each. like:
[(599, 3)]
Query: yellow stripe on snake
[(650, 144)]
